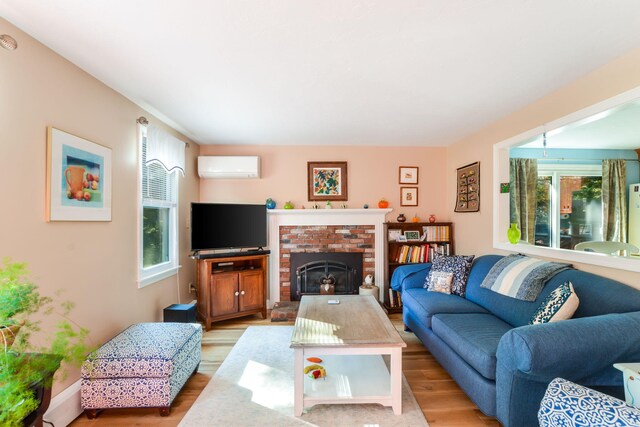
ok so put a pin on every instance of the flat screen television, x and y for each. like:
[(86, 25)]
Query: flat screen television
[(228, 226)]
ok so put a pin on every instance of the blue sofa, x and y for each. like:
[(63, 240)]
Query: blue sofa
[(504, 364)]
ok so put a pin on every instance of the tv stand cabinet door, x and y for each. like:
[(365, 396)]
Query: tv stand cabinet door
[(224, 294), (251, 290)]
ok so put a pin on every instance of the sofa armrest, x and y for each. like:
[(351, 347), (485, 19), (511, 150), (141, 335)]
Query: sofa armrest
[(573, 349), (409, 276)]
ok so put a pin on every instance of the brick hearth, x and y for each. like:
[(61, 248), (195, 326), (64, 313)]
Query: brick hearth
[(324, 238)]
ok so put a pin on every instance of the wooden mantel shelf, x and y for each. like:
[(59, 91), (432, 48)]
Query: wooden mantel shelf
[(324, 211)]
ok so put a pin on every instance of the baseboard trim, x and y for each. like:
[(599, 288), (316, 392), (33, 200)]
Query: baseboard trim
[(65, 406)]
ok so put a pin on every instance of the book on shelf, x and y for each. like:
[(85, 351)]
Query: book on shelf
[(395, 301), (414, 254), (436, 233)]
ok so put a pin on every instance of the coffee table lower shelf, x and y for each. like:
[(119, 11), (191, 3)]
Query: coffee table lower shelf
[(351, 378)]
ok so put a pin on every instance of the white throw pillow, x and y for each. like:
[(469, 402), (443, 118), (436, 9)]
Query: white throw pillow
[(440, 281), (558, 305)]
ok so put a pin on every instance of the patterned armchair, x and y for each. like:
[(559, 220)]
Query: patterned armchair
[(568, 404)]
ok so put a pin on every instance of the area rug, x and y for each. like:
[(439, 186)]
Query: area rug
[(254, 387)]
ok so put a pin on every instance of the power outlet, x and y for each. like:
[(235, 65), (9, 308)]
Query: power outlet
[(192, 287)]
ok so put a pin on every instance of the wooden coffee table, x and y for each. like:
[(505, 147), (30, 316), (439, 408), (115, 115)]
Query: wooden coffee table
[(350, 338)]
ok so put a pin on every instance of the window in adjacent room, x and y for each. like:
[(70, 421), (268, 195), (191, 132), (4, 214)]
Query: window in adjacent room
[(158, 214), (568, 205)]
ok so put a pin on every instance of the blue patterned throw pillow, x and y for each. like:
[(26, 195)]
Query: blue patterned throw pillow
[(569, 404), (459, 265), (560, 304)]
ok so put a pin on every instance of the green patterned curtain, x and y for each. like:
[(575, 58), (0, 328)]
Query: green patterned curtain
[(523, 176), (614, 200)]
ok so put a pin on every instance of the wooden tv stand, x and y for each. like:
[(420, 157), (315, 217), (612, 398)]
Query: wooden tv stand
[(231, 286)]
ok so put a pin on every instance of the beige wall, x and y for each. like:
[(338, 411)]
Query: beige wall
[(372, 175), (94, 263), (474, 230)]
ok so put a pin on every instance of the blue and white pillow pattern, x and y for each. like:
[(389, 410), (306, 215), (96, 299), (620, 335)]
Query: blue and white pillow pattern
[(459, 265), (560, 304), (568, 404), (439, 281)]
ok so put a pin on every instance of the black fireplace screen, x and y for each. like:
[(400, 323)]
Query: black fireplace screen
[(334, 272)]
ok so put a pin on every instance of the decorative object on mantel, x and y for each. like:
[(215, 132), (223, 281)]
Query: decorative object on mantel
[(288, 205), (78, 178), (401, 218), (271, 204), (513, 233), (327, 181), (415, 218), (383, 204), (343, 206), (408, 175), (328, 205), (468, 192), (408, 196), (432, 218), (366, 206)]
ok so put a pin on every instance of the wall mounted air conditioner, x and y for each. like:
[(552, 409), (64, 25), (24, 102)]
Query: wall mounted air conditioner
[(229, 167)]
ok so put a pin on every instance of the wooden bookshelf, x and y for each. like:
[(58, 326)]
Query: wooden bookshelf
[(439, 237)]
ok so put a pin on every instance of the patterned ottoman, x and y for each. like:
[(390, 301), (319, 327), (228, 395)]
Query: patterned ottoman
[(143, 366)]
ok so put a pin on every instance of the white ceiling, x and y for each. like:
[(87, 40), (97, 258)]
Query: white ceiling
[(357, 72), (616, 128)]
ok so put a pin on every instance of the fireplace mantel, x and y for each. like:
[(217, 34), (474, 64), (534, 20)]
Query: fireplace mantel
[(311, 217)]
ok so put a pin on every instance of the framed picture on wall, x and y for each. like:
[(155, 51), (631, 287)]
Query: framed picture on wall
[(408, 174), (408, 196), (78, 178), (468, 191), (327, 181)]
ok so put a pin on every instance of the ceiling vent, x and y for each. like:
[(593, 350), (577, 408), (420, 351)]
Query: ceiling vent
[(229, 167)]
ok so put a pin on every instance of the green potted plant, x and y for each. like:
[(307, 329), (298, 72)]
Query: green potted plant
[(22, 361)]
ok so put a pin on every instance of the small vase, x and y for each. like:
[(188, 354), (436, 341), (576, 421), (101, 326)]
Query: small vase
[(271, 204), (401, 218), (432, 218), (513, 233)]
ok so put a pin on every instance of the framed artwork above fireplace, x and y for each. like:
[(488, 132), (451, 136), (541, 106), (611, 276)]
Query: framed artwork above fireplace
[(327, 181)]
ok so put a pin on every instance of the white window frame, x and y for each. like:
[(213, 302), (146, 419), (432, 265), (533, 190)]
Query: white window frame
[(150, 275), (555, 171)]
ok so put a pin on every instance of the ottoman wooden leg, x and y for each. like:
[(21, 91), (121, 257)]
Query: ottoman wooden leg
[(92, 414), (164, 411)]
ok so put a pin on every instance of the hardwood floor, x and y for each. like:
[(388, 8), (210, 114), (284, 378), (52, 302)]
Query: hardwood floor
[(441, 400)]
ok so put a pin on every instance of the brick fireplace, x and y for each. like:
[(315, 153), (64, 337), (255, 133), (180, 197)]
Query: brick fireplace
[(323, 230), (324, 239)]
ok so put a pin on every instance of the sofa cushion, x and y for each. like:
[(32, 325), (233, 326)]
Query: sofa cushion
[(559, 305), (424, 304), (459, 265), (474, 337)]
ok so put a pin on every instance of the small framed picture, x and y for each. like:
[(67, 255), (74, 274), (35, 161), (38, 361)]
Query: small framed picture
[(401, 238), (408, 175), (412, 236), (394, 234), (408, 196)]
